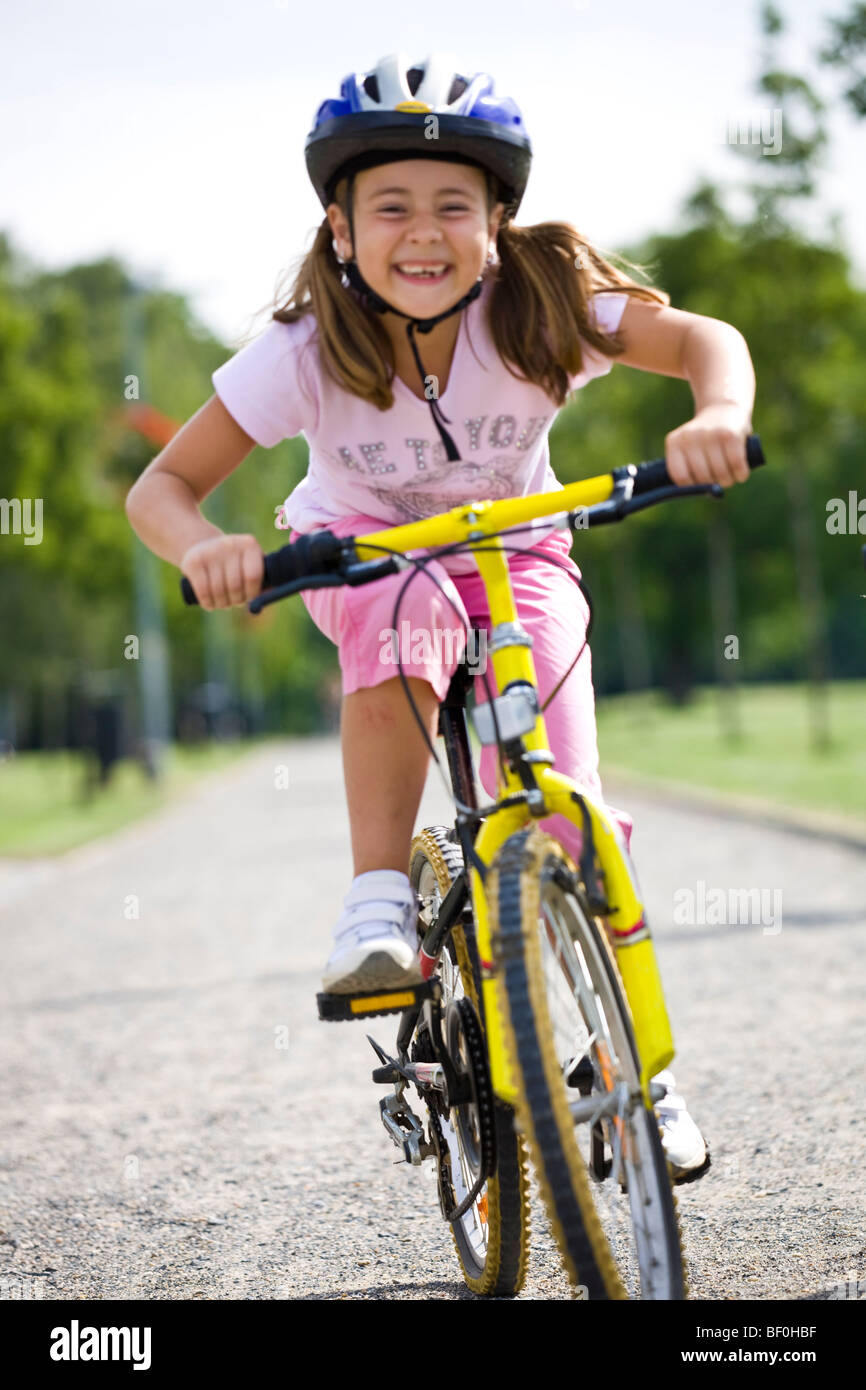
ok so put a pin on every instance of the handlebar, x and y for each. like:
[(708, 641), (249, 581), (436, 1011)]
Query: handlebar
[(655, 474), (320, 557)]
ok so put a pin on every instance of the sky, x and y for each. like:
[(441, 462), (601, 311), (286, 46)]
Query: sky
[(171, 134)]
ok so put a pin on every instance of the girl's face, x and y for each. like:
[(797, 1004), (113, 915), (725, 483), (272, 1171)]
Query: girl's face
[(419, 215)]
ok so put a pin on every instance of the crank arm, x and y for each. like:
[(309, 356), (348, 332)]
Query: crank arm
[(426, 1074), (391, 1071), (592, 1107)]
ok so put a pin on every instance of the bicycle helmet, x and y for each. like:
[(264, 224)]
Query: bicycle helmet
[(389, 108), (386, 115)]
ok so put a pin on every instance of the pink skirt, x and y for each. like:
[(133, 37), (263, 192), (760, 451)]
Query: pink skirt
[(429, 638)]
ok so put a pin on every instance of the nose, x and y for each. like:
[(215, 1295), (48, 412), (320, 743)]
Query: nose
[(424, 227)]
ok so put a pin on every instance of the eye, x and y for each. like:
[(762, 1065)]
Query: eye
[(449, 207)]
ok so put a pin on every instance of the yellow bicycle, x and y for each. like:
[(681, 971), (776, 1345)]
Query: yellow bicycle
[(542, 1018)]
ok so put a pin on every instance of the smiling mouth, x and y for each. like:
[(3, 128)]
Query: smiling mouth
[(423, 278)]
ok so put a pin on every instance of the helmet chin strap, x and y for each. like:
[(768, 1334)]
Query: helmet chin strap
[(381, 306)]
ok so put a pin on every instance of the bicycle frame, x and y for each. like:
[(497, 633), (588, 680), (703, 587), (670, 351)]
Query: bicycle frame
[(544, 792)]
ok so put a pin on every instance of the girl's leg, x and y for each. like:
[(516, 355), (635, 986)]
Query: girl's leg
[(385, 759), (385, 763)]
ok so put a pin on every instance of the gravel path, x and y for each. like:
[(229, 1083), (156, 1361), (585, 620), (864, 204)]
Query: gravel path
[(177, 1124)]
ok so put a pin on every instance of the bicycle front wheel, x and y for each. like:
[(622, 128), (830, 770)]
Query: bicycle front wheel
[(595, 1145)]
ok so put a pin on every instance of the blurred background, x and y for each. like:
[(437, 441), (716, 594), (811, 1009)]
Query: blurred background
[(153, 195)]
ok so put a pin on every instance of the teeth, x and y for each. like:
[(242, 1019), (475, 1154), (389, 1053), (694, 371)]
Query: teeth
[(427, 270)]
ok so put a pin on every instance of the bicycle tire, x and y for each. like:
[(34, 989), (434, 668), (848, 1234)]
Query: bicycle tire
[(502, 1270), (520, 898)]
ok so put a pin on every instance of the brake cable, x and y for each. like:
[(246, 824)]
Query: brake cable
[(467, 547)]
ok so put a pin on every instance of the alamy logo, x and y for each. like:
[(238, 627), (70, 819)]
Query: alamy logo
[(850, 1287), (762, 128), (444, 646), (846, 519), (22, 516), (24, 1287), (76, 1343), (703, 906)]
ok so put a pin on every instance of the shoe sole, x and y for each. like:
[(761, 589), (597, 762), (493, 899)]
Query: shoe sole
[(378, 971), (679, 1175), (683, 1175)]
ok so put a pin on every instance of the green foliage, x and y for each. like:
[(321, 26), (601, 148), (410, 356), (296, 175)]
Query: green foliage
[(70, 342), (797, 304), (805, 323), (846, 49)]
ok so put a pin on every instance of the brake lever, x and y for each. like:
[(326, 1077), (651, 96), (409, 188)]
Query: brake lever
[(662, 494), (624, 504), (362, 572), (294, 586)]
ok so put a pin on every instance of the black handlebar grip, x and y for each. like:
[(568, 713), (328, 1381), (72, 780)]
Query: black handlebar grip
[(307, 555), (754, 452), (655, 474)]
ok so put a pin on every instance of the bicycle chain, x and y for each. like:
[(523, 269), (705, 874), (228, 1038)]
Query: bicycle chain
[(422, 1051), (438, 856)]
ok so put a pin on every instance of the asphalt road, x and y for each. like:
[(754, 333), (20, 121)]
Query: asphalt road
[(177, 1124)]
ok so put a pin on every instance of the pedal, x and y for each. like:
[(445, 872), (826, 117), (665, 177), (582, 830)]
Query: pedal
[(335, 1007), (405, 1129), (581, 1075)]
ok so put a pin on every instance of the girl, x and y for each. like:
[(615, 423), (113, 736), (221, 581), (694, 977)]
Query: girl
[(420, 172)]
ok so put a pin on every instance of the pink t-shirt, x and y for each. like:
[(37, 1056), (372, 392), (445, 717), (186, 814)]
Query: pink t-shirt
[(391, 465)]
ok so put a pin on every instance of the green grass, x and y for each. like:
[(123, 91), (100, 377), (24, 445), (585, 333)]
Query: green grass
[(44, 807), (644, 736)]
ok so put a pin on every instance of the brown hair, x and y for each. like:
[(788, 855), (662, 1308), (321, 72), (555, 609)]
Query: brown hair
[(539, 308)]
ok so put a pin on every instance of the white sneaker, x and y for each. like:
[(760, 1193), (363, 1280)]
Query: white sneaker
[(376, 938), (684, 1145)]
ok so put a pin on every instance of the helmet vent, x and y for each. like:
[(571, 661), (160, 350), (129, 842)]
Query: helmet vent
[(414, 77), (371, 87), (458, 87)]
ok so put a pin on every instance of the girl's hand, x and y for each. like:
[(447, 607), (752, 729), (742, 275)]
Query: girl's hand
[(225, 570), (711, 448)]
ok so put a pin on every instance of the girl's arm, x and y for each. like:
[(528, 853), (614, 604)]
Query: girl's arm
[(163, 508), (714, 358)]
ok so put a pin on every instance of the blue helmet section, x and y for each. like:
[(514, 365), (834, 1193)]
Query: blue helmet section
[(478, 100)]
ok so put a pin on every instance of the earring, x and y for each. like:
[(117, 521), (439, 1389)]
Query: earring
[(341, 261)]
